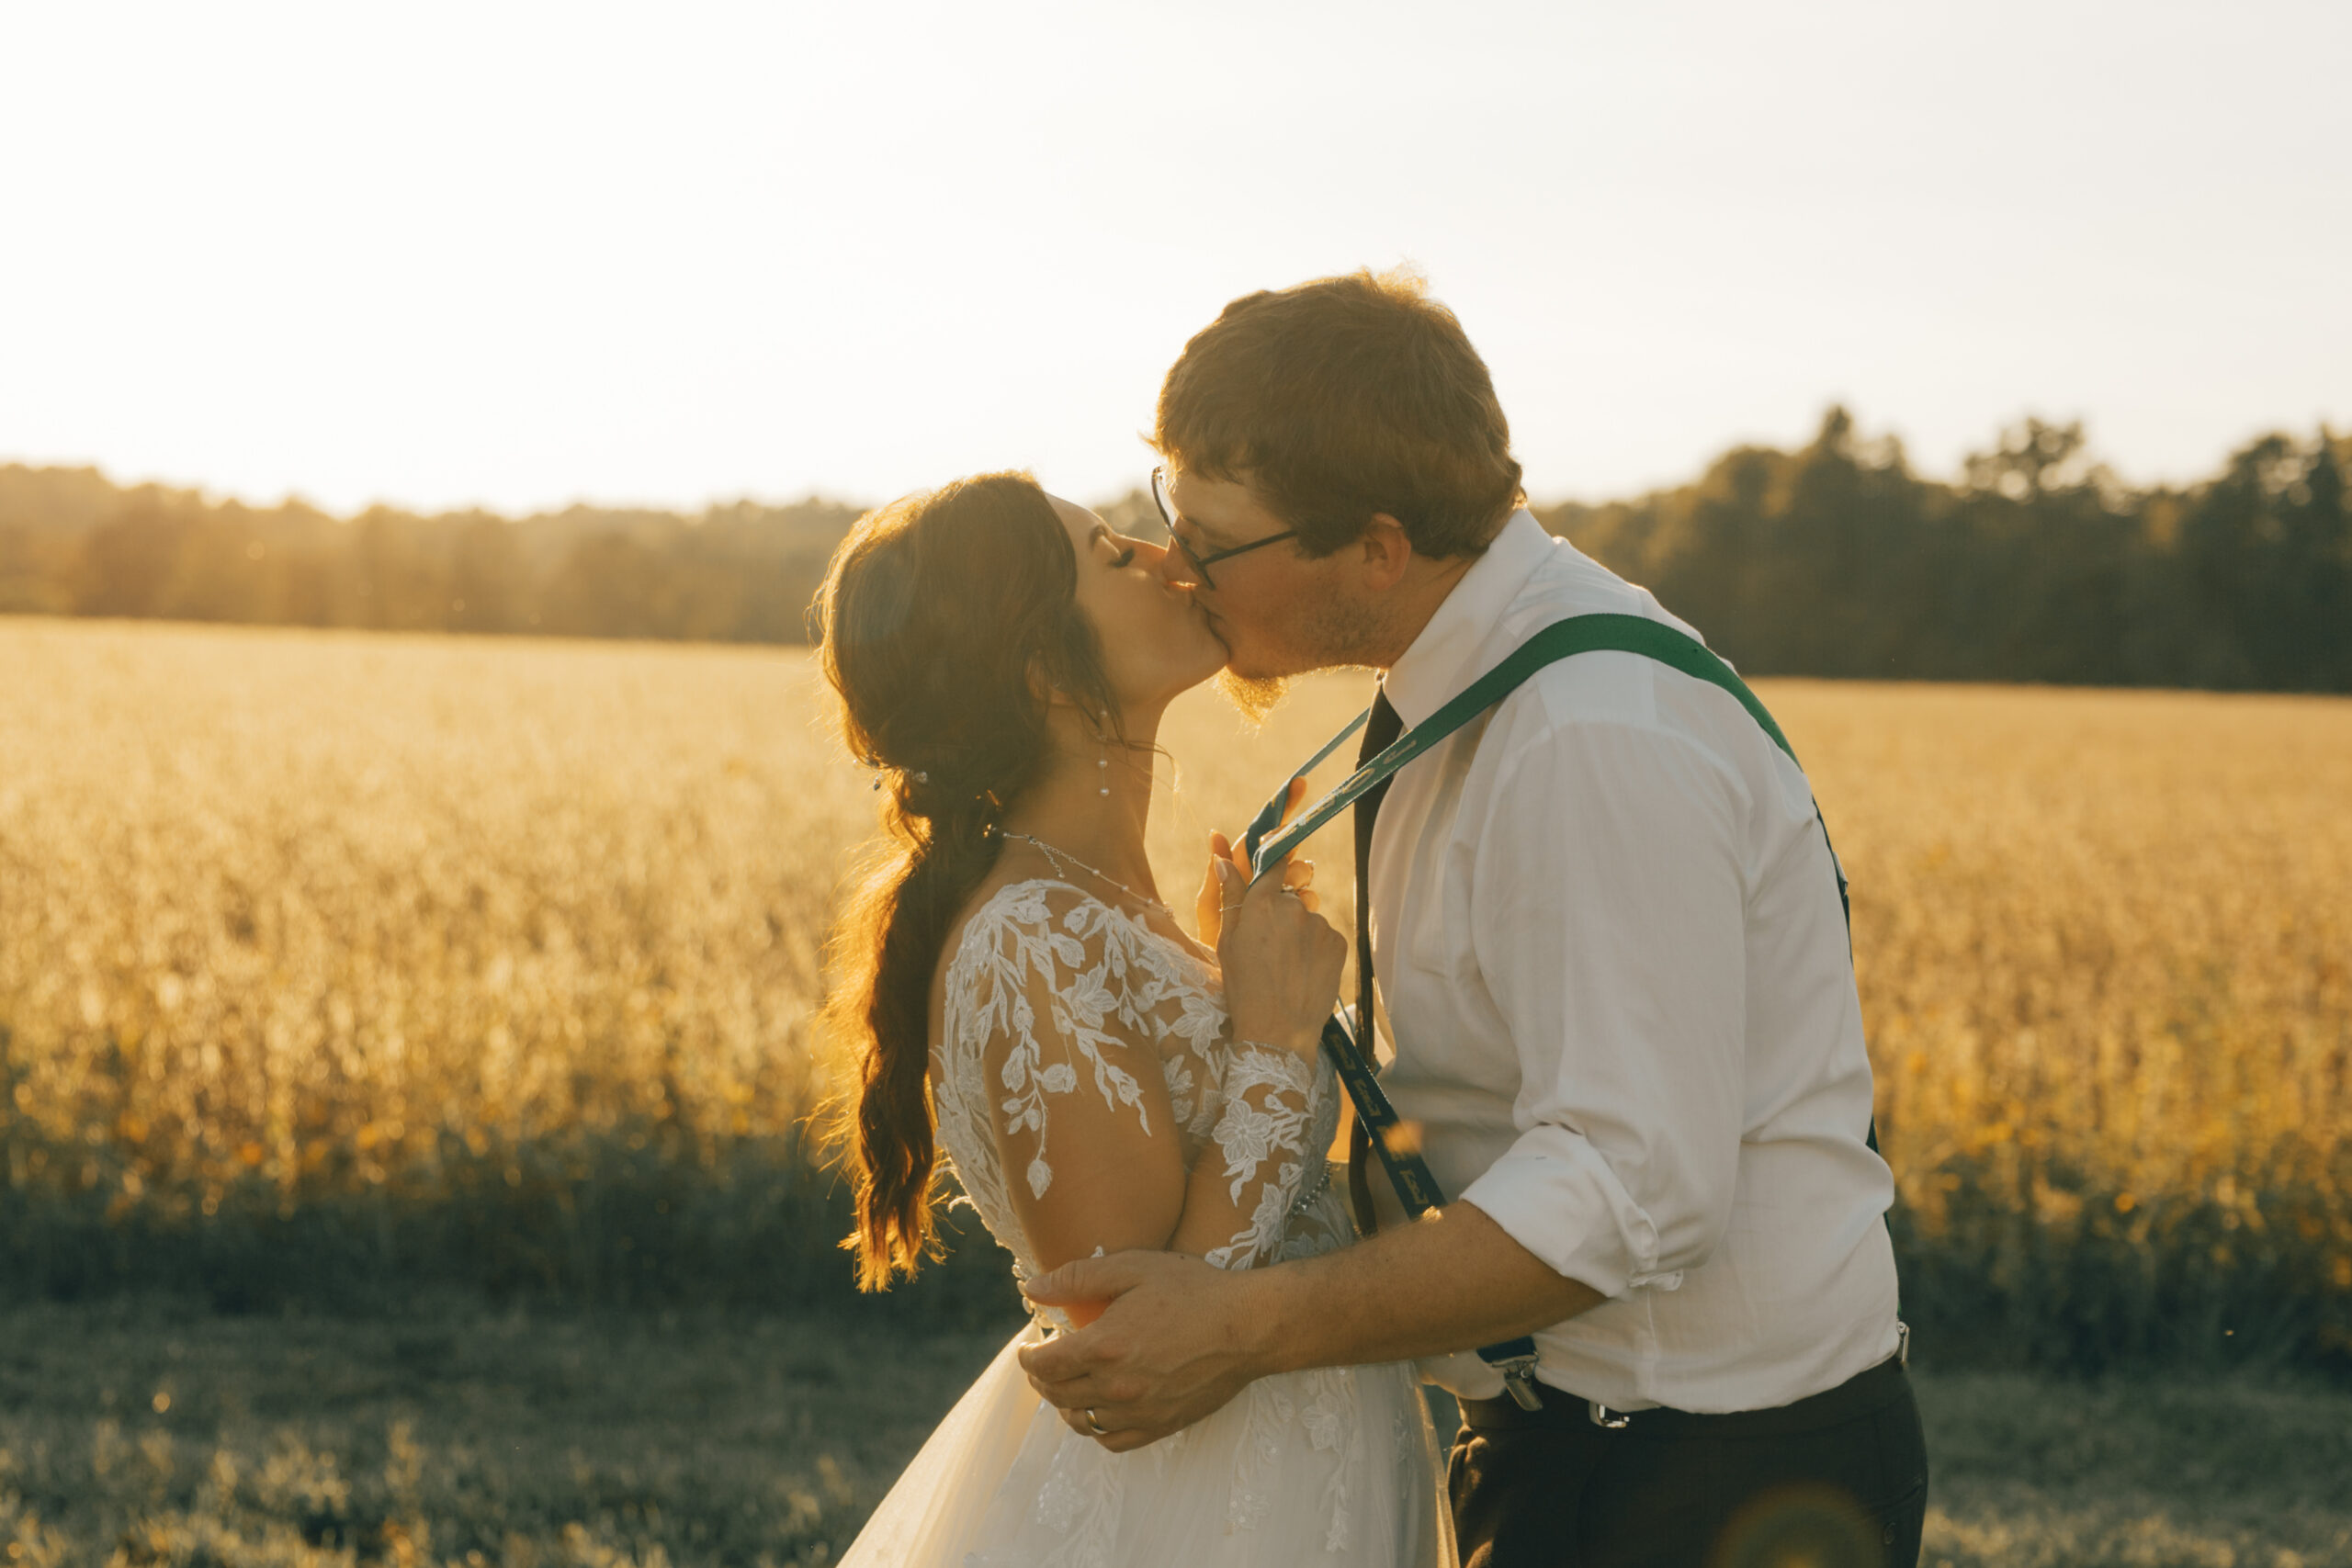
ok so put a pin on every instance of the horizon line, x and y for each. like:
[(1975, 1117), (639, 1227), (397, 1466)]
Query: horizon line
[(214, 497)]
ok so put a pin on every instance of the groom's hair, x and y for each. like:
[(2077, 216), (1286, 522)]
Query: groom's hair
[(1341, 398)]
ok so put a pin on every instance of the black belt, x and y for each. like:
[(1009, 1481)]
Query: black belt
[(1858, 1395)]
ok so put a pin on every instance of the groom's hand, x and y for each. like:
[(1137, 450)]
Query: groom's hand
[(1170, 1348)]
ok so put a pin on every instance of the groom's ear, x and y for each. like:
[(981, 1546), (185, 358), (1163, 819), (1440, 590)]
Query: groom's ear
[(1385, 552)]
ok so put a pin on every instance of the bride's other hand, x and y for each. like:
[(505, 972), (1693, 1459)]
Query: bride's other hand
[(1281, 960), (1298, 876), (1208, 908)]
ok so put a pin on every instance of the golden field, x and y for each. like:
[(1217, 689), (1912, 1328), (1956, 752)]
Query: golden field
[(468, 982), (493, 961)]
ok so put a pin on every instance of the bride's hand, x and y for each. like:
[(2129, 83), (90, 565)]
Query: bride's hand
[(1298, 876), (1281, 960)]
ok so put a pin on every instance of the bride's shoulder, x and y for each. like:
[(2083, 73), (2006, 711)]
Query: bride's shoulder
[(1016, 940), (1005, 911), (1041, 927), (1026, 901)]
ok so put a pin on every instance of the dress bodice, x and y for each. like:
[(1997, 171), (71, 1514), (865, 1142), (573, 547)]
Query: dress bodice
[(1074, 1036), (1052, 992)]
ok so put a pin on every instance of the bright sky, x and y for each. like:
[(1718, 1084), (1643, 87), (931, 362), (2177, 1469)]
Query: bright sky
[(521, 254)]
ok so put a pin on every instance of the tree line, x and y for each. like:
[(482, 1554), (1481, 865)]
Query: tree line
[(73, 544), (1834, 558), (2038, 565)]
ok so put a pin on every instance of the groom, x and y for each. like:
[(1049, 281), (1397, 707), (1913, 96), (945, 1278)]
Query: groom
[(1612, 968)]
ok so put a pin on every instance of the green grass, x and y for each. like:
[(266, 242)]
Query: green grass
[(648, 1216), (140, 1431)]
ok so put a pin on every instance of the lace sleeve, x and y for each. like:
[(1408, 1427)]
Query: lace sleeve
[(1076, 1102), (1261, 1140), (1054, 968), (1085, 1047)]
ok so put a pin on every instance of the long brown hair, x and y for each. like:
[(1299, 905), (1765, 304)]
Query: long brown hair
[(946, 621)]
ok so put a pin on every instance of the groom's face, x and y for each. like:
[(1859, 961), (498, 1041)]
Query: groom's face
[(1268, 605)]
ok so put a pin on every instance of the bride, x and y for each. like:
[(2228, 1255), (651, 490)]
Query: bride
[(1098, 1079)]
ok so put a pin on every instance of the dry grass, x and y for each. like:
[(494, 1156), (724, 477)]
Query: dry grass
[(330, 957), (296, 905), (2105, 947)]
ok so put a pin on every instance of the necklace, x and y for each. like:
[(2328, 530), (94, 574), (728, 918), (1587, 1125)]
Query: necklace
[(1060, 857)]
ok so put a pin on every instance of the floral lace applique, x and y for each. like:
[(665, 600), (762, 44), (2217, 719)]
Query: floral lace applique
[(1258, 1128), (1271, 1410), (1176, 1072), (1080, 970), (1052, 991), (1081, 1502), (1331, 1421)]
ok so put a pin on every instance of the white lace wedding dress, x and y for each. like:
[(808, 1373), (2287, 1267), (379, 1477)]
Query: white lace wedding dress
[(1053, 993)]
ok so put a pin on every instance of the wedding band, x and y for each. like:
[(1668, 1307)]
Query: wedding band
[(1093, 1424)]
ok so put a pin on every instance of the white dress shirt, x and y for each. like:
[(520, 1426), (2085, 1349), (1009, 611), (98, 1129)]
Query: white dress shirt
[(1614, 971)]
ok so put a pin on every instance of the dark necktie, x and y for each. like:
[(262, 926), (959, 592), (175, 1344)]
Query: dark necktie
[(1383, 727)]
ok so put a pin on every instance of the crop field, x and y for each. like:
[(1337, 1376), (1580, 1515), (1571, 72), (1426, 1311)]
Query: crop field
[(492, 962), (337, 970)]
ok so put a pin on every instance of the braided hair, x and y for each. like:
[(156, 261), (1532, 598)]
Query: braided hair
[(946, 620)]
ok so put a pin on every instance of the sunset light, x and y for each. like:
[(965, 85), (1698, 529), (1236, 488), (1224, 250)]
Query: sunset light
[(515, 254), (1175, 783)]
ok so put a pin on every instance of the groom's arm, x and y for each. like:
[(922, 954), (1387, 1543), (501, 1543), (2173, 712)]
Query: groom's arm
[(1181, 1338), (1452, 1280), (1449, 1281), (1610, 934)]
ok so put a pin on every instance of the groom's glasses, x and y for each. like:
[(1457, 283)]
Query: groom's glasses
[(1200, 563)]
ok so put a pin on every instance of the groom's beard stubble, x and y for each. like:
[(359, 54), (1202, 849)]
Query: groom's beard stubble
[(1253, 696), (1333, 636)]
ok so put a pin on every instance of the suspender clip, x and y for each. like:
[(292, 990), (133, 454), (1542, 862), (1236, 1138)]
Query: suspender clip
[(1518, 1381), (1614, 1420)]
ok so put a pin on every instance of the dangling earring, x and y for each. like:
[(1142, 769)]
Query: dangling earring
[(1104, 763)]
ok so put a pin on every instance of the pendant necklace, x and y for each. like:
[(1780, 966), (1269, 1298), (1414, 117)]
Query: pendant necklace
[(1061, 857)]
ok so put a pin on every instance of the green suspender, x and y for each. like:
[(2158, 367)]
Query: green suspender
[(1267, 843), (1578, 634)]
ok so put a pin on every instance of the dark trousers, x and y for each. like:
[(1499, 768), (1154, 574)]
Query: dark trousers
[(1838, 1480)]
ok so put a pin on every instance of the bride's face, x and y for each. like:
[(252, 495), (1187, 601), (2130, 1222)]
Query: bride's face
[(1156, 641)]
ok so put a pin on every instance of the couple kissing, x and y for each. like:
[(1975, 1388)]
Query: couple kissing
[(1636, 1226)]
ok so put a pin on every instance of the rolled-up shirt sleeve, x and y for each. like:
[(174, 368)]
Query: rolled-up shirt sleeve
[(1609, 926)]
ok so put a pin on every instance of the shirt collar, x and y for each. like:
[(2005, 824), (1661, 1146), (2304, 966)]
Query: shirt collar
[(1440, 661)]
